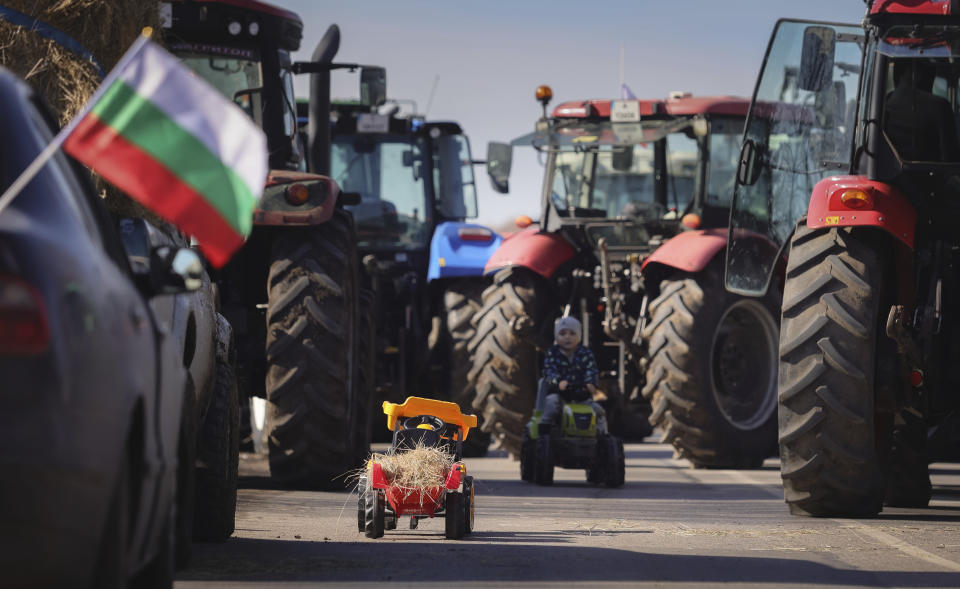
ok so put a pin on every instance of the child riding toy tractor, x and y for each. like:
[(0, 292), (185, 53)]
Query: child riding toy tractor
[(421, 476), (575, 442)]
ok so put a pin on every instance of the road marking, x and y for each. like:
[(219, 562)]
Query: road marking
[(902, 546), (874, 533)]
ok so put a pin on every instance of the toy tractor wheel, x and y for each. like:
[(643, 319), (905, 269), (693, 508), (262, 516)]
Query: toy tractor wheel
[(543, 464), (711, 376), (468, 505), (311, 382), (374, 511), (503, 373), (597, 472), (830, 463), (528, 458), (455, 515), (614, 467), (362, 504)]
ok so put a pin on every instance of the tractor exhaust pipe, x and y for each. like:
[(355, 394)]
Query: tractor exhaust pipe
[(318, 127)]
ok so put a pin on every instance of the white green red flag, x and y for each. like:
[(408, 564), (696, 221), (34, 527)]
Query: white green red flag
[(167, 138)]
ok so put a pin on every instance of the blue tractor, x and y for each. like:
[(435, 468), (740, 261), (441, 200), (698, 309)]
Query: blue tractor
[(422, 263)]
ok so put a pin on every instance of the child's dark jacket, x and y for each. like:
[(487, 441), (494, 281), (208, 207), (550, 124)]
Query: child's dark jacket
[(579, 370)]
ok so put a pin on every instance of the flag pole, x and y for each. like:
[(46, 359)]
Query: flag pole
[(44, 156)]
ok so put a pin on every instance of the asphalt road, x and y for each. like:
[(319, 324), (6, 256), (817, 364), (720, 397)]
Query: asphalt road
[(670, 525)]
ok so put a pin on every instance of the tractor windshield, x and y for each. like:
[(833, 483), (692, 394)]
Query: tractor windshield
[(611, 167), (389, 173), (228, 69)]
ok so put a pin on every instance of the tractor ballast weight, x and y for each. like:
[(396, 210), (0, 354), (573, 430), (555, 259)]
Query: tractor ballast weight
[(857, 220), (630, 240), (292, 291)]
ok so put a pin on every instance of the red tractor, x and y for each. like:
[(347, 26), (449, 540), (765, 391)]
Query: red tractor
[(847, 195), (630, 240), (291, 293)]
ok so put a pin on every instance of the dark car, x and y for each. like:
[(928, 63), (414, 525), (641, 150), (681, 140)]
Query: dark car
[(91, 389)]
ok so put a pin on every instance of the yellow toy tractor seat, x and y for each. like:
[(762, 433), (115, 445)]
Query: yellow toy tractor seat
[(428, 422)]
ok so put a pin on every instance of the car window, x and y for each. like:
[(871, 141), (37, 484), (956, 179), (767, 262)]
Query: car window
[(69, 190)]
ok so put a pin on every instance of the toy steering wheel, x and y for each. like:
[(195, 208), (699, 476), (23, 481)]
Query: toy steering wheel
[(434, 423)]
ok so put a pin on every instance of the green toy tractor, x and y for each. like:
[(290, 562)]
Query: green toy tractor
[(576, 442)]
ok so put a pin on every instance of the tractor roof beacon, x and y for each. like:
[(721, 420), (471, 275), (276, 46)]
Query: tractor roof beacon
[(291, 292), (634, 204), (847, 195)]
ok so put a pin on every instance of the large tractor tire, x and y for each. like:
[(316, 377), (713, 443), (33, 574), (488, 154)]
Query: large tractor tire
[(364, 412), (828, 343), (462, 300), (711, 371), (311, 355), (504, 364)]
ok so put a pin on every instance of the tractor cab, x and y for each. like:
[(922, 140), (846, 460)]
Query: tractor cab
[(633, 172)]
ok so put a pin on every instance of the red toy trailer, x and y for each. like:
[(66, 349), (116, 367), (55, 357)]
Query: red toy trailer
[(419, 422)]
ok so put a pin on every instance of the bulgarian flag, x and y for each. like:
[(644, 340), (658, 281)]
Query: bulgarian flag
[(167, 138)]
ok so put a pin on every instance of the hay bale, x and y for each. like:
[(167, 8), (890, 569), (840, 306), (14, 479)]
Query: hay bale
[(106, 28), (64, 80), (413, 471)]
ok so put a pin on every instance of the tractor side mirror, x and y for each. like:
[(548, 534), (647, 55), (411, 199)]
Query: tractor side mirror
[(350, 198), (499, 158), (748, 170), (816, 61), (373, 86), (251, 101)]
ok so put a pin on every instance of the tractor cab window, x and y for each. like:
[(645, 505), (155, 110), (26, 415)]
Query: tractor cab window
[(683, 159), (724, 146), (456, 193), (290, 114), (228, 69), (388, 172), (920, 74), (608, 169)]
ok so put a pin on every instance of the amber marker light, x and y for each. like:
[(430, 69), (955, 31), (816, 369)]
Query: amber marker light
[(297, 194), (691, 221), (544, 94), (523, 221), (856, 199)]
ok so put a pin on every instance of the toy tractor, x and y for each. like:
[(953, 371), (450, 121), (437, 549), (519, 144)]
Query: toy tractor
[(383, 499), (573, 443)]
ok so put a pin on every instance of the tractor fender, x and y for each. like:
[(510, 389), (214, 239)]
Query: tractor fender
[(274, 210), (540, 252), (460, 249), (881, 205), (689, 251)]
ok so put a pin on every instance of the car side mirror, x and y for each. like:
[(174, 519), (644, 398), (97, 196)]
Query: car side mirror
[(816, 61), (174, 270), (499, 159), (748, 169)]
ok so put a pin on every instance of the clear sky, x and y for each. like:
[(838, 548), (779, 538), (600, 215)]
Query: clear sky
[(487, 59)]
